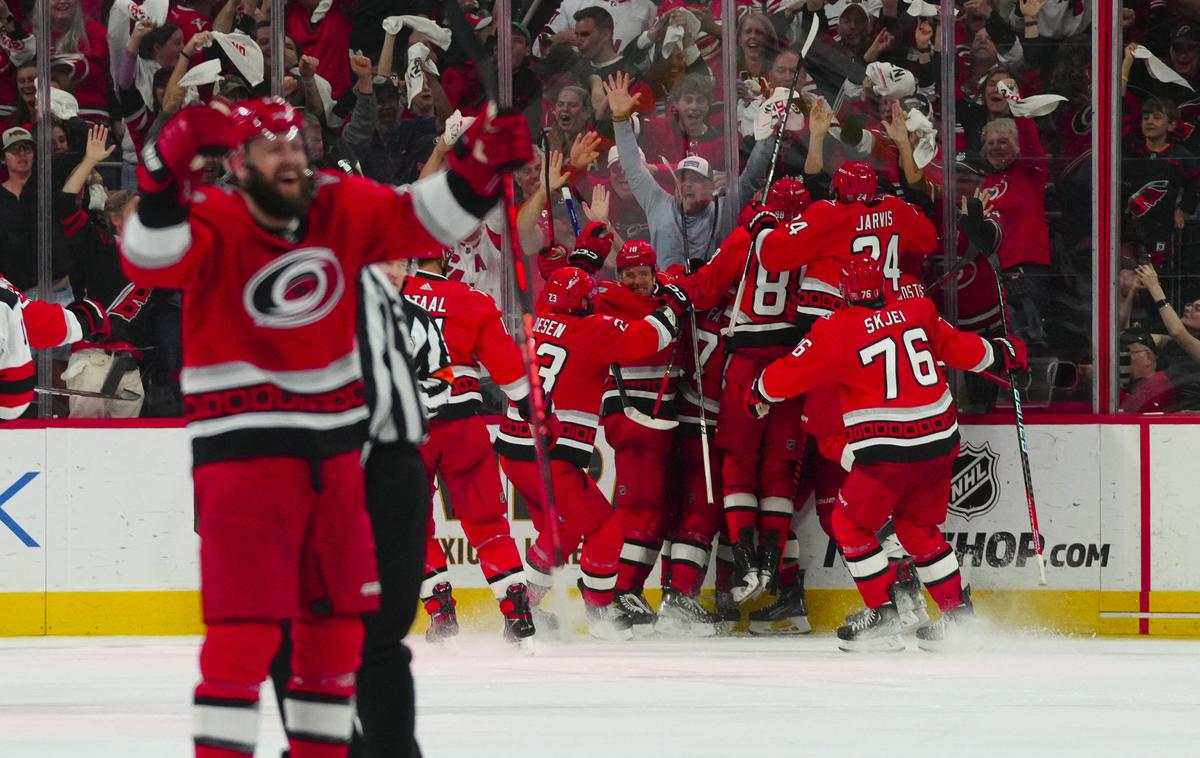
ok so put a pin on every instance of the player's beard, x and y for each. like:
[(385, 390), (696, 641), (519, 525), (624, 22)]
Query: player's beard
[(274, 203)]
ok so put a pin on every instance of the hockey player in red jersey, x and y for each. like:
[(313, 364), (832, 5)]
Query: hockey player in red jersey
[(575, 348), (459, 450), (274, 393), (902, 431), (27, 325), (759, 457), (650, 386)]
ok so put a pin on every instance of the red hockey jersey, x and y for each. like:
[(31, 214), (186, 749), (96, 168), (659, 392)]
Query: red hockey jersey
[(269, 359), (27, 324), (895, 402), (711, 349), (475, 334), (643, 377), (829, 232), (574, 353)]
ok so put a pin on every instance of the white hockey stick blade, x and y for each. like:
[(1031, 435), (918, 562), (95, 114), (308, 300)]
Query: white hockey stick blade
[(650, 422), (808, 41)]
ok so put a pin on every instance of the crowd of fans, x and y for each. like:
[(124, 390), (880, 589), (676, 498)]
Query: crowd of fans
[(629, 102)]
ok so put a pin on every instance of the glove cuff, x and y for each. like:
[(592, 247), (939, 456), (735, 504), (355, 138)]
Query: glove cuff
[(466, 196)]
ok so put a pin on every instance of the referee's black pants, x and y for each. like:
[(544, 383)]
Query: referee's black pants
[(398, 503)]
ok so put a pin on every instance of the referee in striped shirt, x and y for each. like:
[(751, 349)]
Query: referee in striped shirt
[(406, 372)]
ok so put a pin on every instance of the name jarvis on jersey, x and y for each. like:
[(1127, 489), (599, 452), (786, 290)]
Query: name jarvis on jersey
[(872, 221)]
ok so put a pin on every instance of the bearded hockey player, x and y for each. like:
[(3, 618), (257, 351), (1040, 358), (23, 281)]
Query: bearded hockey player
[(575, 348), (459, 450), (901, 428), (274, 393)]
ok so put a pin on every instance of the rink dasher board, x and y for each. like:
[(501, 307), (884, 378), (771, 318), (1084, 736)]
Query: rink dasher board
[(109, 514)]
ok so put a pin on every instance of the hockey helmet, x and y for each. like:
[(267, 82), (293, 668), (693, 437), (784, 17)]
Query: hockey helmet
[(568, 290), (636, 253), (267, 117), (788, 197), (861, 282), (855, 182)]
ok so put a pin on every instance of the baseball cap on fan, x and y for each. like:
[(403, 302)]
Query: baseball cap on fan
[(16, 136), (1185, 35), (694, 163), (614, 156)]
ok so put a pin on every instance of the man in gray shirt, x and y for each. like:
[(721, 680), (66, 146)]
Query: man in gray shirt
[(701, 226)]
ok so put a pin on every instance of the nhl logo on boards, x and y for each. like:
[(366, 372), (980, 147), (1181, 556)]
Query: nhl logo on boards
[(296, 289), (974, 487)]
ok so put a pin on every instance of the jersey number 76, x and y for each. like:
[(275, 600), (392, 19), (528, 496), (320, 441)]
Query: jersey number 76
[(921, 364)]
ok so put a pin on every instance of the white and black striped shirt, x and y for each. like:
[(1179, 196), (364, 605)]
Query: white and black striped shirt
[(404, 361)]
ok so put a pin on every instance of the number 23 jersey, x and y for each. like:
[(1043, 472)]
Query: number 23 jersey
[(895, 402)]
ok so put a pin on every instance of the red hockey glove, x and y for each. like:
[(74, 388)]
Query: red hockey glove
[(674, 297), (172, 157), (592, 247), (550, 259), (496, 143), (92, 318), (1011, 354), (550, 430), (764, 218), (756, 404)]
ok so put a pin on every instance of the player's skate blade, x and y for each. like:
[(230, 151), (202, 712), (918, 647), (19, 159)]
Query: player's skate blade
[(873, 630), (635, 608), (727, 614), (606, 622), (788, 615), (682, 616)]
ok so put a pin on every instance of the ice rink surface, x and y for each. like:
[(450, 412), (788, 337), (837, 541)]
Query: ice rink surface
[(735, 697)]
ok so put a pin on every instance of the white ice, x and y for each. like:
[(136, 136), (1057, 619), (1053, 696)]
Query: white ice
[(1044, 696)]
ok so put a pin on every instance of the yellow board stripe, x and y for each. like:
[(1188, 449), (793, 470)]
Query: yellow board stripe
[(178, 612)]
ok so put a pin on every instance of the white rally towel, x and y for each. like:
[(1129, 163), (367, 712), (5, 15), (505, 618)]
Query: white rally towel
[(437, 35), (63, 104), (923, 9), (1160, 70), (245, 53), (456, 124), (19, 50), (919, 124), (418, 65), (1034, 105), (890, 81), (320, 11), (207, 72), (154, 11), (682, 36), (767, 120)]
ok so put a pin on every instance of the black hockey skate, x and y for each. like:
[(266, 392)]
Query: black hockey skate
[(746, 586), (769, 556), (635, 608), (909, 599), (680, 615), (518, 618), (443, 620), (607, 622), (936, 635), (787, 615), (727, 614), (875, 629)]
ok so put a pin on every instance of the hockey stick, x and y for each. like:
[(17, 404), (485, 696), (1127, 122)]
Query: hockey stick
[(633, 414), (1022, 441), (122, 395), (777, 149), (546, 178), (464, 35), (666, 380), (705, 454)]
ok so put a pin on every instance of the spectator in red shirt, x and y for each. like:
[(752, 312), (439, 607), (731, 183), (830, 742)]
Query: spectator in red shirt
[(79, 57), (327, 39)]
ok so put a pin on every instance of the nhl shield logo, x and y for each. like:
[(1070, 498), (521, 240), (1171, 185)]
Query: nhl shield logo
[(974, 487)]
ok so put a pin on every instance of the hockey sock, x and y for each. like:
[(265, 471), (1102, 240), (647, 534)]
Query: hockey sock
[(775, 516), (599, 561), (789, 570), (689, 561), (538, 568), (233, 663), (499, 558), (940, 574), (665, 571), (741, 511), (639, 551), (319, 707), (865, 558)]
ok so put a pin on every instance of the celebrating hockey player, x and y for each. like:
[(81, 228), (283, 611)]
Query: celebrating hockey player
[(460, 451), (885, 357), (273, 389), (575, 348)]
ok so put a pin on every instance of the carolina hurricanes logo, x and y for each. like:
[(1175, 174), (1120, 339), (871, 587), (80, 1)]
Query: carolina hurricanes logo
[(1081, 122), (997, 190), (1147, 197), (297, 289)]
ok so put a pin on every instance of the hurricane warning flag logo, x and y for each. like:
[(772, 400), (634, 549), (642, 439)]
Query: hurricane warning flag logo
[(974, 487)]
